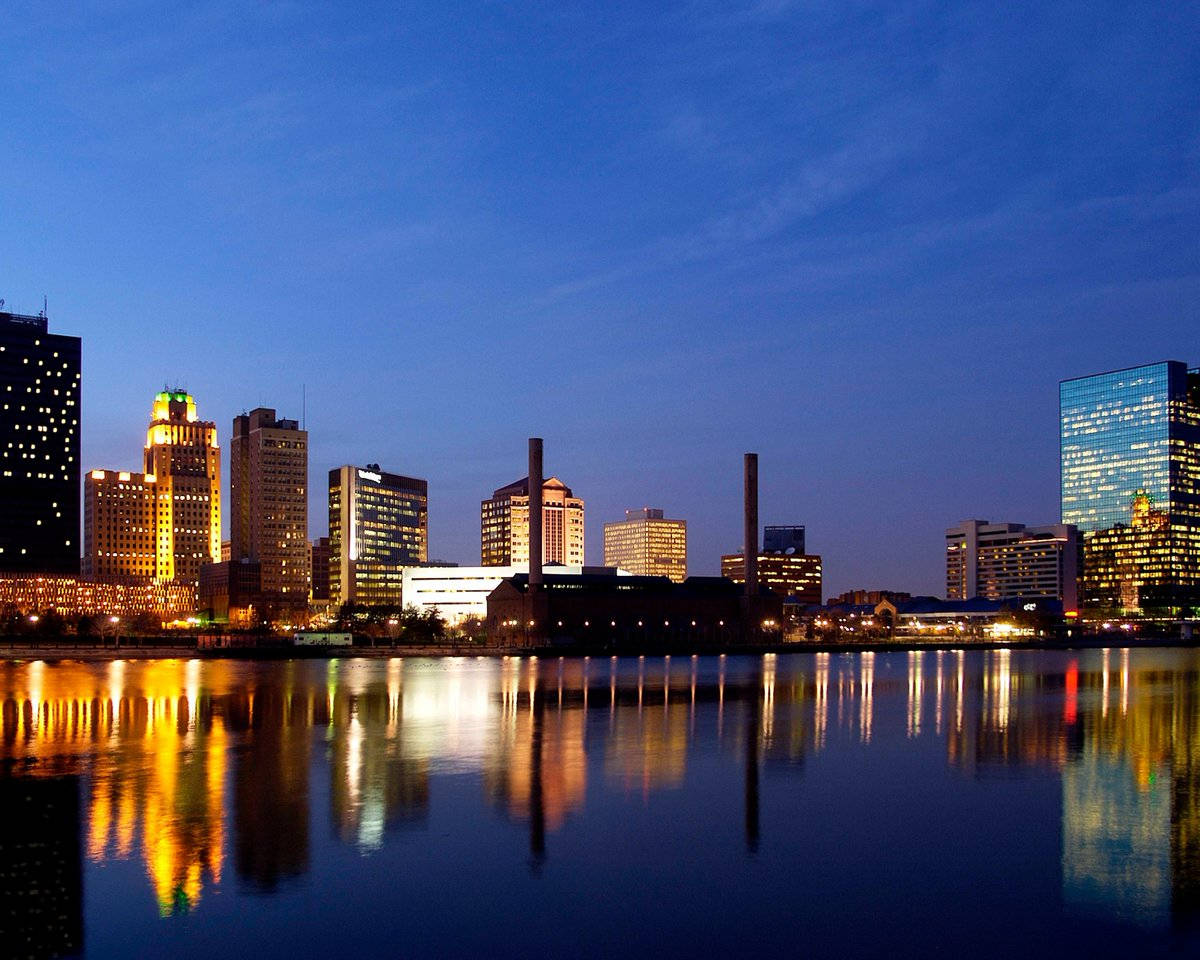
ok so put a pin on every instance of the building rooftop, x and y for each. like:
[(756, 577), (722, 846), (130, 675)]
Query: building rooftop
[(520, 488)]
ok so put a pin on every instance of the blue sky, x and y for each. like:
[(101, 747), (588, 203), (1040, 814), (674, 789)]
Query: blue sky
[(865, 240)]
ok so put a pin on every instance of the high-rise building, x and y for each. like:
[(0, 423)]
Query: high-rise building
[(783, 566), (647, 544), (378, 525), (1004, 561), (504, 525), (120, 526), (268, 492), (39, 447), (183, 456), (1130, 481)]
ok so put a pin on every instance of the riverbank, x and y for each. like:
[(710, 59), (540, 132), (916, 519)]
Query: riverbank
[(148, 649)]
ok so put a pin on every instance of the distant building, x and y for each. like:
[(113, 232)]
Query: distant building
[(647, 544), (1130, 451), (460, 593), (39, 447), (865, 597), (378, 525), (626, 611), (268, 492), (1001, 561), (154, 525), (183, 456), (504, 525), (783, 566), (319, 559), (120, 525)]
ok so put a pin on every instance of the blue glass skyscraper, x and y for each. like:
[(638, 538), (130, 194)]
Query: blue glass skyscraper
[(1130, 481)]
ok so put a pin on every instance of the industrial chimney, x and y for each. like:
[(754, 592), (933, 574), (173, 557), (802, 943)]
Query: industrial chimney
[(535, 513), (750, 519)]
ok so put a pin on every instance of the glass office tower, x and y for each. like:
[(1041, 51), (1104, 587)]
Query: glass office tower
[(1131, 484)]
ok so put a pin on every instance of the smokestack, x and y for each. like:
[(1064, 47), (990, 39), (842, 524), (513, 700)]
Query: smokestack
[(535, 513), (750, 518)]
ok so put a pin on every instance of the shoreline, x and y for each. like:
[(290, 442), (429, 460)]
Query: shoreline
[(93, 653)]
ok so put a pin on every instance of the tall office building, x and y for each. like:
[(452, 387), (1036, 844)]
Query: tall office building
[(39, 447), (120, 526), (647, 544), (1130, 481), (378, 525), (1004, 561), (268, 493), (504, 525), (183, 455)]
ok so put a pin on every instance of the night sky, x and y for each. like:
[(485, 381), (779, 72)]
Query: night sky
[(865, 240)]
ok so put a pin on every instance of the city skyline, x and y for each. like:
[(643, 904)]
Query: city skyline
[(317, 530)]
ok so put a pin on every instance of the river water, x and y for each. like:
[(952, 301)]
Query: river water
[(901, 804)]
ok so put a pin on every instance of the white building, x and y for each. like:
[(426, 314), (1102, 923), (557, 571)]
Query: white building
[(460, 593)]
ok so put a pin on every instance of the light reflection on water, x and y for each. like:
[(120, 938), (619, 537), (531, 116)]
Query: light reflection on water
[(627, 791)]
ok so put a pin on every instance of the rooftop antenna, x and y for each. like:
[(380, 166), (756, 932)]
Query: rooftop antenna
[(303, 406), (43, 313)]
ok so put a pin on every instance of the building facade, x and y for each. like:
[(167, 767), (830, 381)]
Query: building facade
[(1130, 481), (319, 567), (120, 526), (789, 575), (647, 544), (1002, 561), (378, 525), (268, 493), (39, 447), (72, 596), (504, 525), (184, 457)]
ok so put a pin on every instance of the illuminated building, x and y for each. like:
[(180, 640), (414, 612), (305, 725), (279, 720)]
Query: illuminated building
[(504, 525), (183, 455), (268, 492), (73, 596), (646, 544), (872, 597), (1131, 483), (39, 447), (378, 525), (120, 526), (1001, 561), (789, 575)]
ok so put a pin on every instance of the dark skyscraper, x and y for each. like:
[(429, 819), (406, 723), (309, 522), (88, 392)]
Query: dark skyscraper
[(1131, 483), (39, 447)]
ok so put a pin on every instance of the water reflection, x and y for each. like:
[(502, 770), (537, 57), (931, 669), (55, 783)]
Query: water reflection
[(192, 769)]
